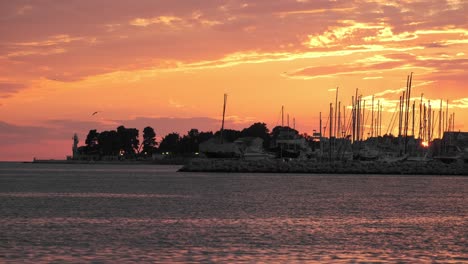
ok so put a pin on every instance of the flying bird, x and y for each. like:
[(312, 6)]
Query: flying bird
[(94, 113)]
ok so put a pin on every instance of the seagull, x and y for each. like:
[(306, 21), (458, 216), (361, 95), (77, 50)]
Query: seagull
[(95, 113)]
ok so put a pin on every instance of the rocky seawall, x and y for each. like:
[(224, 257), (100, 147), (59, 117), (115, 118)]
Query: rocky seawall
[(338, 167)]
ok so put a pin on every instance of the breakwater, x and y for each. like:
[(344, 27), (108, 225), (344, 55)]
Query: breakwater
[(336, 167)]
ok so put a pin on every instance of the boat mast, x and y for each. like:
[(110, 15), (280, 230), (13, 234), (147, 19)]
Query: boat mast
[(321, 146), (372, 117), (353, 118), (429, 122), (378, 118), (224, 113), (336, 109), (399, 117), (345, 126), (440, 119), (414, 108), (358, 125), (330, 132), (420, 116), (282, 115), (363, 119), (450, 123), (447, 116), (408, 100), (453, 120), (339, 121), (425, 123)]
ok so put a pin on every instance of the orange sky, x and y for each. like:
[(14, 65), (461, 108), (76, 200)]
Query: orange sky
[(167, 64)]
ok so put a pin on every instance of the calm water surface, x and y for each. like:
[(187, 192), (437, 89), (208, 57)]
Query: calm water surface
[(118, 213)]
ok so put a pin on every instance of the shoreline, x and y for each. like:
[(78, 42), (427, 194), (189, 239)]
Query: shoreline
[(337, 167), (109, 162), (436, 168)]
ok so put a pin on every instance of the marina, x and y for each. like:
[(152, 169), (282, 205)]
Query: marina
[(287, 131)]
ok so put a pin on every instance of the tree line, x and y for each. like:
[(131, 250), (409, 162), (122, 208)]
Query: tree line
[(125, 141)]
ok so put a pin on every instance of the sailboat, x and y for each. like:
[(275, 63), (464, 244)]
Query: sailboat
[(216, 147)]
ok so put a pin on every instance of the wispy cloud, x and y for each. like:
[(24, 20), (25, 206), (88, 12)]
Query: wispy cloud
[(150, 52), (8, 89), (373, 78), (460, 103), (175, 104), (53, 40), (165, 20)]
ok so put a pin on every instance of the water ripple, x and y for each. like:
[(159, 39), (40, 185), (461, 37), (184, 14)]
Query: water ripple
[(89, 195), (143, 214)]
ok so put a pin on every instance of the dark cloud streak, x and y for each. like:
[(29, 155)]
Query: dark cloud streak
[(8, 89)]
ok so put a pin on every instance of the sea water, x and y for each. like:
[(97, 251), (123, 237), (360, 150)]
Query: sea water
[(148, 213)]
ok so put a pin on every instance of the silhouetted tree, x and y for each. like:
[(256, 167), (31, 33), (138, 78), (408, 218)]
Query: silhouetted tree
[(92, 138), (170, 143), (125, 140), (91, 142), (258, 130), (287, 132), (83, 150), (204, 136), (277, 129), (128, 140), (109, 143), (193, 133), (149, 141), (189, 143), (229, 135)]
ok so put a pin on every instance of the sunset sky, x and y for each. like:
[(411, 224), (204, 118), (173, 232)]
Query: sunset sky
[(167, 64)]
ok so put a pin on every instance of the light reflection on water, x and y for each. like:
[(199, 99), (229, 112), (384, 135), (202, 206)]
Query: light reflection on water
[(152, 214), (89, 195)]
